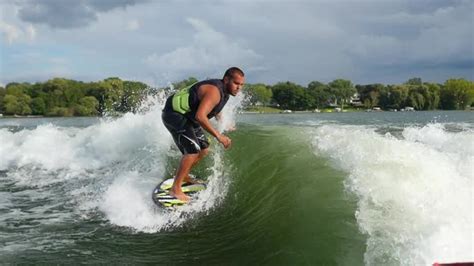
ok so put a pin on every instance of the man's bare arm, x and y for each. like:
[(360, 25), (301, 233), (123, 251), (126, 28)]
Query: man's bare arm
[(210, 97)]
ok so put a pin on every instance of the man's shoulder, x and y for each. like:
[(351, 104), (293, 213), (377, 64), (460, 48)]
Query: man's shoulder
[(209, 89), (213, 82), (214, 85)]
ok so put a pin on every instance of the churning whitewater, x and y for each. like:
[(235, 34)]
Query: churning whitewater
[(414, 192)]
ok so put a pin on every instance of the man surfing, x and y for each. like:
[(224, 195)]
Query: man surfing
[(187, 113)]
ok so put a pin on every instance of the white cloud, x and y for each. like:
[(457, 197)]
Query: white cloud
[(30, 32), (14, 33), (132, 25), (436, 37), (10, 32), (207, 52), (70, 14)]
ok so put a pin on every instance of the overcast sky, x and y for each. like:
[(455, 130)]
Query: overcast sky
[(158, 41)]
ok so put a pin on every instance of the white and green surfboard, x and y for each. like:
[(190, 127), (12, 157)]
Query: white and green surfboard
[(162, 198)]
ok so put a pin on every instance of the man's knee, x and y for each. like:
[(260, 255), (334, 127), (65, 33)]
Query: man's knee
[(191, 156), (203, 152)]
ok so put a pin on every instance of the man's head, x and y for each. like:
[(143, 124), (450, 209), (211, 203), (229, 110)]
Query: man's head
[(234, 79)]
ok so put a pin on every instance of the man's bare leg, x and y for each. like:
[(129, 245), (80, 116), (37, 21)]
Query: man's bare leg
[(187, 162), (202, 154)]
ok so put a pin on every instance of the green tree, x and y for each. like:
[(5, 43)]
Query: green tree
[(87, 106), (54, 89), (259, 93), (17, 104), (370, 94), (3, 92), (422, 96), (109, 93), (113, 93), (398, 96), (38, 106), (457, 94), (133, 95), (184, 83), (416, 99), (431, 95), (292, 96), (15, 88), (394, 97), (320, 93), (414, 82), (72, 94), (342, 89), (96, 90), (35, 90), (61, 111)]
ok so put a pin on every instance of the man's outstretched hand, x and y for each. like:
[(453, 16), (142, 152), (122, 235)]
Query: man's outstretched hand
[(225, 141)]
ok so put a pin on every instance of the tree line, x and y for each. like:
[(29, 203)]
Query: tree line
[(454, 94), (65, 97)]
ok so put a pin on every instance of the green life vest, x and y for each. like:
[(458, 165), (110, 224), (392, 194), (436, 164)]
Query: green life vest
[(186, 101), (181, 100)]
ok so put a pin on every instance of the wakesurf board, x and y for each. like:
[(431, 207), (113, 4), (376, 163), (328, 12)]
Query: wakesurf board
[(161, 194)]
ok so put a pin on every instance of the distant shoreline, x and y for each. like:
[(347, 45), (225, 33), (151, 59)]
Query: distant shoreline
[(255, 113), (348, 110), (43, 116)]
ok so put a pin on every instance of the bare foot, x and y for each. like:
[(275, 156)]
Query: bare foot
[(179, 195), (190, 180)]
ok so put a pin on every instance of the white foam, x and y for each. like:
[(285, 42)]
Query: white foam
[(436, 136), (229, 113), (76, 165), (415, 194), (127, 201), (51, 147)]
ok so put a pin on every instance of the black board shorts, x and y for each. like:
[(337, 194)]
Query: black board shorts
[(188, 136)]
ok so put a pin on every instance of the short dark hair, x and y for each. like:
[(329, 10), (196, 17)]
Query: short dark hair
[(232, 71)]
